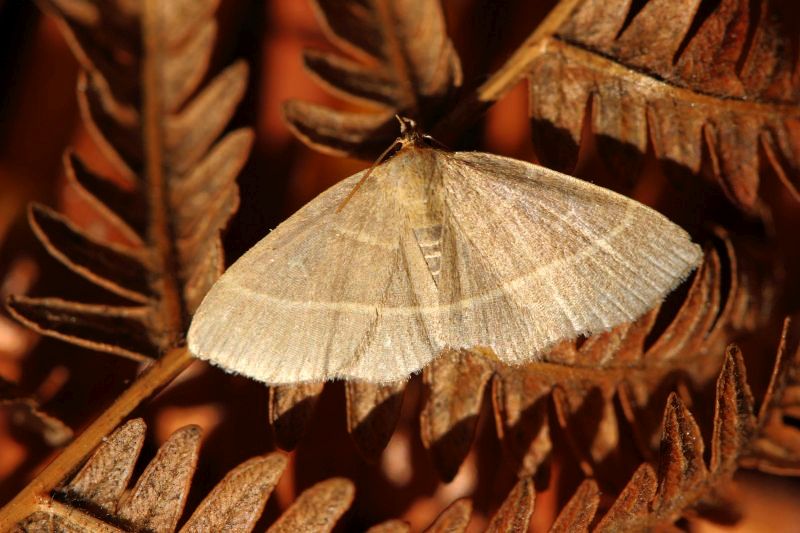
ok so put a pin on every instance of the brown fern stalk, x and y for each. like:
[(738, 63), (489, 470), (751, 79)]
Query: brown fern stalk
[(173, 313)]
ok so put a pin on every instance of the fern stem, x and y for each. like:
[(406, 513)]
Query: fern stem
[(160, 231), (506, 77)]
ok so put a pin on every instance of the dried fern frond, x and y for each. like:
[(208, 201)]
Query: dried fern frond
[(23, 405), (173, 192), (176, 187), (404, 64), (693, 86), (685, 82), (97, 497), (318, 508), (390, 526), (516, 510), (454, 519), (290, 410), (577, 514), (683, 485), (708, 87)]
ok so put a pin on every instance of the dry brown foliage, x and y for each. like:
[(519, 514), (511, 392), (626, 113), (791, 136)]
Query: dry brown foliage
[(25, 411), (405, 68), (176, 191), (691, 106), (158, 496)]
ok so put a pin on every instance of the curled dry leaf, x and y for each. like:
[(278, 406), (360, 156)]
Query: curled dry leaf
[(96, 499), (290, 409), (26, 412), (401, 62), (175, 188), (693, 84)]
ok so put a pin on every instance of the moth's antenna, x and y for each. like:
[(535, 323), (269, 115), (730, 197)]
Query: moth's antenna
[(367, 174), (437, 142)]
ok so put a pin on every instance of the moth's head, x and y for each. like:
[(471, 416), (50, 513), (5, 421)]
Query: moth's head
[(410, 133), (406, 124)]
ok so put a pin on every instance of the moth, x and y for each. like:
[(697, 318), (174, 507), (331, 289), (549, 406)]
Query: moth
[(430, 250)]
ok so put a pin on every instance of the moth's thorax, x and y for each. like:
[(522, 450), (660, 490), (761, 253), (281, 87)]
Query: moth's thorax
[(419, 184)]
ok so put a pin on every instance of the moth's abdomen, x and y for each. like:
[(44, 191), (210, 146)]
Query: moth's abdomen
[(429, 240)]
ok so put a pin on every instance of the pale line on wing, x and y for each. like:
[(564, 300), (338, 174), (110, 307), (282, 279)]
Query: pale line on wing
[(598, 244)]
